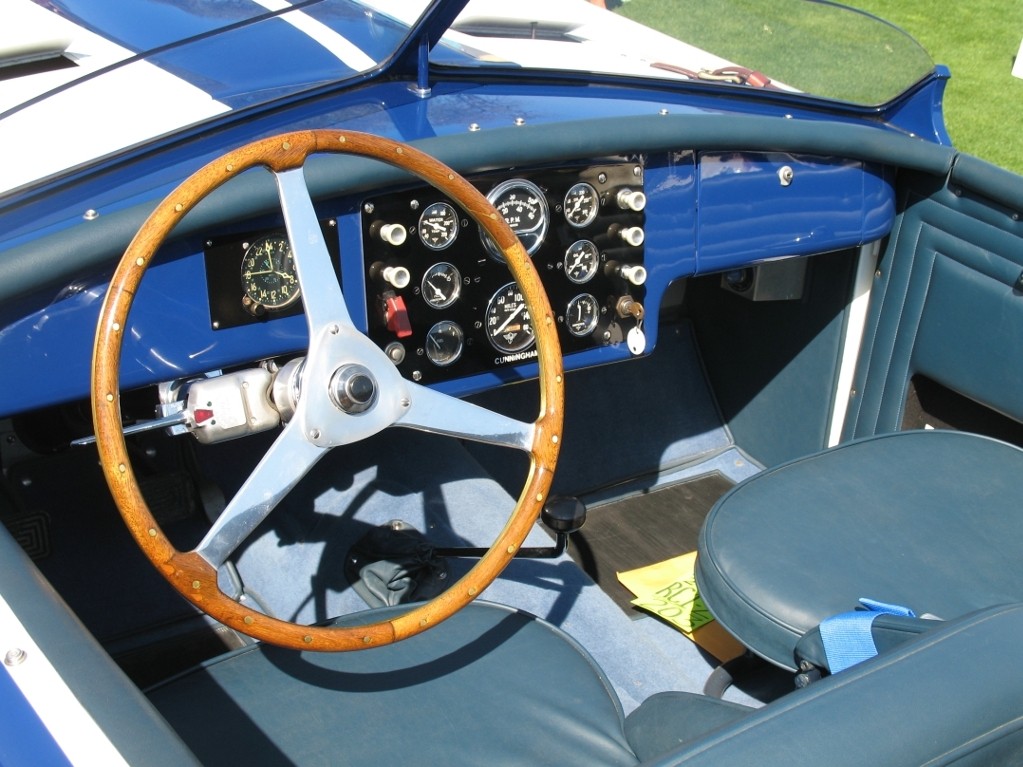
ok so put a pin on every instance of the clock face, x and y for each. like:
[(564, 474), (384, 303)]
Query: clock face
[(268, 272)]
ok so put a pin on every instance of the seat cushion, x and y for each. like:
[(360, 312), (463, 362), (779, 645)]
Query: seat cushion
[(490, 685), (927, 519), (951, 696)]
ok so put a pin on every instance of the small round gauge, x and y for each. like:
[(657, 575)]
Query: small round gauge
[(438, 226), (581, 203), (522, 204), (441, 285), (581, 261), (268, 272), (444, 343), (581, 315), (507, 324)]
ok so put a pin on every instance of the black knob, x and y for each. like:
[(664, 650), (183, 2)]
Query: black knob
[(564, 514)]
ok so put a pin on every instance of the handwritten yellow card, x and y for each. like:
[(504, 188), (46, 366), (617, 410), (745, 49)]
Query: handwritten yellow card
[(668, 590)]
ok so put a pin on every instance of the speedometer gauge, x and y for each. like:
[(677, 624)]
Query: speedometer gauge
[(522, 204), (268, 272), (508, 325)]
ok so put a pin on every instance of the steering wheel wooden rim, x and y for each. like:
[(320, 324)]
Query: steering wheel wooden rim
[(190, 574)]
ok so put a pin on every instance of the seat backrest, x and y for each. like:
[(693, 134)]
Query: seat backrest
[(951, 696)]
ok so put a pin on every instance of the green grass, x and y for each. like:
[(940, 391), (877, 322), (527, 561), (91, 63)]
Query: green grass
[(977, 40), (868, 63)]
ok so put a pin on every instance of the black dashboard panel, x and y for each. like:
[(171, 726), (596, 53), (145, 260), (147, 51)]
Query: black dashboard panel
[(444, 305)]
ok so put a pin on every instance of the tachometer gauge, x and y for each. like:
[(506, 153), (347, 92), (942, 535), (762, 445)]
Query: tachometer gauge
[(581, 261), (581, 203), (441, 285), (508, 325), (581, 315), (444, 343), (522, 204), (268, 272), (438, 226)]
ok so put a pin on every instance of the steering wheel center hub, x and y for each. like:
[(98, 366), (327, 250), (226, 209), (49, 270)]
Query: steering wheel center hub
[(353, 389)]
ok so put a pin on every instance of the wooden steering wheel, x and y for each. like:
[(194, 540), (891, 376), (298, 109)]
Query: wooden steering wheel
[(320, 420)]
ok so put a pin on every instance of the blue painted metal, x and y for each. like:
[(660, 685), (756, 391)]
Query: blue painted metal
[(24, 739), (748, 214), (919, 110)]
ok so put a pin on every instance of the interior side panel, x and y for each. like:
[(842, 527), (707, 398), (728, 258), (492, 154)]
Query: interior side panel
[(947, 301), (772, 363)]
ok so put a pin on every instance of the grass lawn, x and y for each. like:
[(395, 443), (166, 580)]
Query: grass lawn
[(868, 63), (977, 40)]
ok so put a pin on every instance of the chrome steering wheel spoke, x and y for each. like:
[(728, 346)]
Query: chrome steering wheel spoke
[(438, 413)]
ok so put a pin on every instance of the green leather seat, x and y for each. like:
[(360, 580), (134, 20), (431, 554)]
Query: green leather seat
[(927, 519), (492, 686)]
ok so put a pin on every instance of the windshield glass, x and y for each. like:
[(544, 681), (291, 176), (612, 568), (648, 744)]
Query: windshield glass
[(819, 48)]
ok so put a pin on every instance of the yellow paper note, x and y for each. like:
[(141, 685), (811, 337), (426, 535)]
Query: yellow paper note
[(668, 589)]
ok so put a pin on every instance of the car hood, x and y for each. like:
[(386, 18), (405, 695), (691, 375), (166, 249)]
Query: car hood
[(111, 78)]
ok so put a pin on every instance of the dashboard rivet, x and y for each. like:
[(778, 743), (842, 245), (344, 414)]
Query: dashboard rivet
[(14, 657), (335, 329), (368, 208), (474, 127), (314, 434), (520, 120), (90, 215), (663, 112)]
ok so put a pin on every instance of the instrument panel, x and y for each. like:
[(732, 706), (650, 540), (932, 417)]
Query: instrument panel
[(442, 301)]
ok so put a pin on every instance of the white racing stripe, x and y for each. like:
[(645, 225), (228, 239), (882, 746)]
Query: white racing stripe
[(75, 731), (347, 53)]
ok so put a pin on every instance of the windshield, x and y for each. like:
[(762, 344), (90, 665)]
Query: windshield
[(818, 48)]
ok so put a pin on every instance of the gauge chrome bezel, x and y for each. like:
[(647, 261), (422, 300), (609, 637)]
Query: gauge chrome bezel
[(531, 238), (497, 341), (450, 236), (260, 291), (588, 217), (594, 315), (449, 358), (592, 264), (456, 282)]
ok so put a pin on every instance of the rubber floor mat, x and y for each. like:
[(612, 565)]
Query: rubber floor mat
[(642, 530)]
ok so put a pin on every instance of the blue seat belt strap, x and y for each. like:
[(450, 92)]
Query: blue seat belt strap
[(846, 637)]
